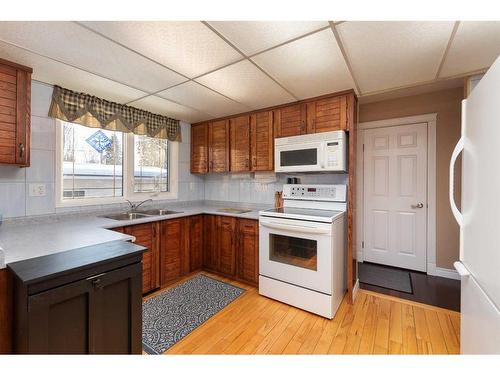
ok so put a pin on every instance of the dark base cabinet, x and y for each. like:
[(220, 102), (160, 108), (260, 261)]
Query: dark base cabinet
[(97, 310)]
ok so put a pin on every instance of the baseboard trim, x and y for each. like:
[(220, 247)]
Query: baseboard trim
[(433, 270)]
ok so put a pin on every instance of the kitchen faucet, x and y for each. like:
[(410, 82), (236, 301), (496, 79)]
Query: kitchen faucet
[(135, 206)]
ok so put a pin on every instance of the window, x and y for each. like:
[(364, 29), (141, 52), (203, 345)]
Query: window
[(92, 162), (94, 165)]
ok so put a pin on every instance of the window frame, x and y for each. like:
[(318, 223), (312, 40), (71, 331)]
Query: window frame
[(128, 175)]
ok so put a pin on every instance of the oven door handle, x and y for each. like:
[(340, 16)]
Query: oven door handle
[(296, 228)]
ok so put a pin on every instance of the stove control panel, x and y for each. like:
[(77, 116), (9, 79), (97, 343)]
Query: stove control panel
[(335, 193)]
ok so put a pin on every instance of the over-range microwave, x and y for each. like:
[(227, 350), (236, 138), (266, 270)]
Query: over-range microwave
[(320, 152)]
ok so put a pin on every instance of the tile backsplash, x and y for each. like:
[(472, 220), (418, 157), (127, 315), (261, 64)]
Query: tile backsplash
[(16, 183)]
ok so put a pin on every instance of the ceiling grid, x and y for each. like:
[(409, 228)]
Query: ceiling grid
[(210, 69)]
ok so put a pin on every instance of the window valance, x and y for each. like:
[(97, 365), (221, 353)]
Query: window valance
[(94, 112)]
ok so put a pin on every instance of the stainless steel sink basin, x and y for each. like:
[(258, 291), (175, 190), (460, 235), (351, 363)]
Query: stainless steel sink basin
[(126, 216), (233, 210), (158, 212)]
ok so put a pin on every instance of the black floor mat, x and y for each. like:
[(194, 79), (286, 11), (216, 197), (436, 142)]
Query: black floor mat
[(385, 277)]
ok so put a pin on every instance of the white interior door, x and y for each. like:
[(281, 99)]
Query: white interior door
[(395, 196)]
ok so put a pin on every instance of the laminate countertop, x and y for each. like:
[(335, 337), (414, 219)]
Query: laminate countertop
[(34, 237)]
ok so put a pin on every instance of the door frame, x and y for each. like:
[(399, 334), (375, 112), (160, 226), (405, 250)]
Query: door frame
[(431, 120)]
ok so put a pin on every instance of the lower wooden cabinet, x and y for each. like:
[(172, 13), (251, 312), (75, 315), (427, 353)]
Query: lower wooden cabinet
[(248, 251), (195, 243), (222, 244), (147, 235)]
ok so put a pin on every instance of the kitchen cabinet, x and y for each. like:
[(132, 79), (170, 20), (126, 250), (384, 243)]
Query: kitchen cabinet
[(172, 250), (226, 228), (15, 113), (210, 247), (199, 148), (290, 121), (84, 301), (329, 114), (195, 243), (218, 143), (262, 141), (147, 235), (239, 128), (248, 251)]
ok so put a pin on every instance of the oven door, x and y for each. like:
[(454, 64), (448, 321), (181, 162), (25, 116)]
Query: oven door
[(303, 157), (297, 252)]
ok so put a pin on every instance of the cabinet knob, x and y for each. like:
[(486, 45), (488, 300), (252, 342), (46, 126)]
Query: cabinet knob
[(21, 150)]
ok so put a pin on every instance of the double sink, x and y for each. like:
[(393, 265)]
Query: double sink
[(140, 214)]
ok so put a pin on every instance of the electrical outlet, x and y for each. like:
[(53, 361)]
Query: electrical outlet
[(38, 190)]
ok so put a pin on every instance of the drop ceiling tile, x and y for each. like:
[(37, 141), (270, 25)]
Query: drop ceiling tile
[(308, 67), (246, 84), (197, 96), (165, 107), (190, 48), (386, 55), (255, 36), (71, 43), (54, 73), (476, 46)]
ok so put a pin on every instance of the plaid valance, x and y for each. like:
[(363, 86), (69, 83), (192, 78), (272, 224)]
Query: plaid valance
[(95, 112)]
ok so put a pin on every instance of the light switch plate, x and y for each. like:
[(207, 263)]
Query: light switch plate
[(38, 190)]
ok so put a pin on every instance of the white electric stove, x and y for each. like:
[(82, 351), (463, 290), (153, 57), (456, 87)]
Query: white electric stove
[(302, 258)]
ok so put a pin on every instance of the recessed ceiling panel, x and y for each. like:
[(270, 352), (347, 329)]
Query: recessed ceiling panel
[(255, 36), (386, 55), (73, 44), (197, 96), (476, 46), (54, 73), (165, 107), (245, 83), (189, 48), (308, 67)]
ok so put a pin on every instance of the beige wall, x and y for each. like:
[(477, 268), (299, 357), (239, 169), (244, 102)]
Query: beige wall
[(447, 105)]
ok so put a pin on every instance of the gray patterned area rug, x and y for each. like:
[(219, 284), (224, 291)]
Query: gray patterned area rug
[(173, 314)]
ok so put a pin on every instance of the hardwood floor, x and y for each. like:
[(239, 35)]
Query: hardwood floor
[(375, 323)]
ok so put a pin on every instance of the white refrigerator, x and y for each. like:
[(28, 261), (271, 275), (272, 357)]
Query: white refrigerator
[(479, 216)]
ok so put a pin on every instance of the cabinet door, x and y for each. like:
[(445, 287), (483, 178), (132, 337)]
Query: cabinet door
[(290, 121), (199, 148), (248, 250), (328, 114), (147, 235), (171, 250), (195, 242), (117, 327), (262, 141), (227, 245), (219, 146), (240, 144), (61, 320), (210, 247), (15, 115)]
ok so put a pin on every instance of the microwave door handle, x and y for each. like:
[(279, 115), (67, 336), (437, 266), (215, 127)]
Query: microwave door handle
[(295, 228), (322, 155)]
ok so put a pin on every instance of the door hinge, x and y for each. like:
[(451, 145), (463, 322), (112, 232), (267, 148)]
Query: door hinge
[(362, 244), (363, 147)]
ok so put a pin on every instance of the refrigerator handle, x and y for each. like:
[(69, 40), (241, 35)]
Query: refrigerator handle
[(458, 149), (461, 269)]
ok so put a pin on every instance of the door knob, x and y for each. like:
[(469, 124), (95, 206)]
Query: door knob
[(419, 205)]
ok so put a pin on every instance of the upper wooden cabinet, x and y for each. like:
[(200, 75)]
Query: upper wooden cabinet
[(240, 143), (218, 145), (15, 113), (328, 114), (245, 143), (199, 148), (262, 141), (290, 120)]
